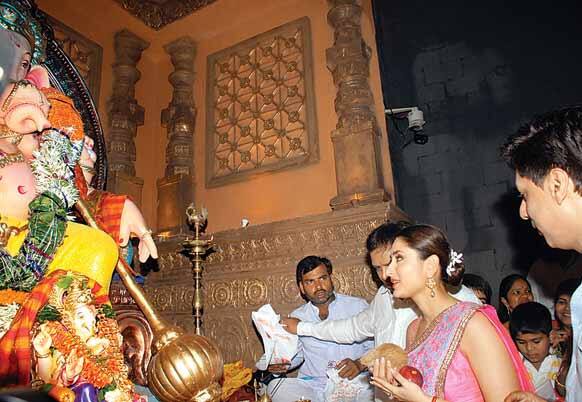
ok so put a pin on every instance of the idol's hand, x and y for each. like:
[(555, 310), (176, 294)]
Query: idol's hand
[(394, 384), (290, 324), (520, 396), (42, 343), (349, 368), (132, 221)]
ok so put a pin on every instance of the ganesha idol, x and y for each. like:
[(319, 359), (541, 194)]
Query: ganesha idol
[(57, 329)]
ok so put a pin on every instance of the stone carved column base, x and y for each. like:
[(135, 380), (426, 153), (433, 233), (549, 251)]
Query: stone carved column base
[(358, 173), (175, 193), (254, 266), (122, 183)]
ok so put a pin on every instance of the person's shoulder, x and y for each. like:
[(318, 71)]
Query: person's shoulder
[(301, 311), (479, 322)]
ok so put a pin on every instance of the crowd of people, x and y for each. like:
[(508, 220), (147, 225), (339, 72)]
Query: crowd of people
[(443, 318)]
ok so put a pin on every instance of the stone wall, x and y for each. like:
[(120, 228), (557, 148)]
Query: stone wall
[(475, 89)]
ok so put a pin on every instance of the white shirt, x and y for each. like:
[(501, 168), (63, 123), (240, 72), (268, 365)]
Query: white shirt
[(543, 379), (574, 379)]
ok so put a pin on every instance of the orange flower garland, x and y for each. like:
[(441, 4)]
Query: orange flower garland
[(107, 328), (9, 296), (65, 342)]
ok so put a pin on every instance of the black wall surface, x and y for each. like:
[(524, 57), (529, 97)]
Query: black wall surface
[(478, 70)]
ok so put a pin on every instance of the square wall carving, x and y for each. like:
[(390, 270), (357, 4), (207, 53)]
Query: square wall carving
[(260, 105)]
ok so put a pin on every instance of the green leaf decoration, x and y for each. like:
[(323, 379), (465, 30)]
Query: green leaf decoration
[(65, 282), (107, 311), (48, 313)]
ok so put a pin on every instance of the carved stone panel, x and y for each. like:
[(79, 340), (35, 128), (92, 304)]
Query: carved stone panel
[(83, 52), (260, 105), (256, 265), (158, 13)]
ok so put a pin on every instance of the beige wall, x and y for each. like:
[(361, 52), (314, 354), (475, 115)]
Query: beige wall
[(271, 197)]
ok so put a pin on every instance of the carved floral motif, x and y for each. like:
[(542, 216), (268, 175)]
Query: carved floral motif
[(260, 108)]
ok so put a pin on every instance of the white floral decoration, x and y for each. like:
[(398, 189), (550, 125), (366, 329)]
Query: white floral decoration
[(454, 259), (53, 166)]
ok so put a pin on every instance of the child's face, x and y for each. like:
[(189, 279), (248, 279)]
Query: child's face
[(534, 347)]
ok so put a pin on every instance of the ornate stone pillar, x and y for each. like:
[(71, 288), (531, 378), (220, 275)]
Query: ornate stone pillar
[(176, 188), (125, 115), (356, 137)]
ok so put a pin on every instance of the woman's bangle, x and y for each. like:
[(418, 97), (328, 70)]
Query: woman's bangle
[(559, 383)]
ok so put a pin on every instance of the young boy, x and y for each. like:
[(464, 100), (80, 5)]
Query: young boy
[(530, 326)]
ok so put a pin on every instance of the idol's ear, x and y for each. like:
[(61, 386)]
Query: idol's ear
[(38, 76)]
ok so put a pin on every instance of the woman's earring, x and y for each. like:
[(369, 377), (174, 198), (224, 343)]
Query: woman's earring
[(431, 284)]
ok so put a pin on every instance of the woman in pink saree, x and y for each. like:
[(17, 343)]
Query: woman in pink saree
[(461, 348)]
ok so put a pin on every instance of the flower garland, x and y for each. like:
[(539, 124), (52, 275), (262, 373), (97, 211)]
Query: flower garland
[(48, 214), (9, 296), (94, 371)]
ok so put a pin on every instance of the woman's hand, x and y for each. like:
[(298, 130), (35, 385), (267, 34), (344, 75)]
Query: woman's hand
[(394, 384), (557, 336)]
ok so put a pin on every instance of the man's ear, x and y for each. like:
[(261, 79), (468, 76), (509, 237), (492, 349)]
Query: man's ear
[(38, 76), (560, 184), (301, 288)]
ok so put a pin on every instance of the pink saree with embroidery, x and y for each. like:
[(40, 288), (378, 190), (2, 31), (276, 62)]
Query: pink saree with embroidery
[(445, 368)]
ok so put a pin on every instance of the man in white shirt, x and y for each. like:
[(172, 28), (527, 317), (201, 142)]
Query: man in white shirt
[(546, 155), (387, 318)]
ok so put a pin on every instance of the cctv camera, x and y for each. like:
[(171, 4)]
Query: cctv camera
[(415, 116), (415, 119)]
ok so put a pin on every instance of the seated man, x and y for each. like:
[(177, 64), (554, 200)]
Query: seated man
[(315, 357)]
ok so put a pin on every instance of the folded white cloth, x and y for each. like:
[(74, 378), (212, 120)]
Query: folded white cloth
[(280, 346)]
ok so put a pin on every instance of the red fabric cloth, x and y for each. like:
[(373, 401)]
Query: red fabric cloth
[(107, 208)]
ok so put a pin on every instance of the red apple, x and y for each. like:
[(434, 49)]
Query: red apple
[(411, 374)]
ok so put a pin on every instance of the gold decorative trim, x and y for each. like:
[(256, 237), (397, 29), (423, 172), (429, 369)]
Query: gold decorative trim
[(159, 13), (440, 383)]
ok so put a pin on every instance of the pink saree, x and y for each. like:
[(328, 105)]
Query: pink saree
[(446, 370)]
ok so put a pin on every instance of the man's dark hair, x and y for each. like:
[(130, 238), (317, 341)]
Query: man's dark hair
[(551, 140), (530, 318), (384, 235), (309, 263), (477, 282)]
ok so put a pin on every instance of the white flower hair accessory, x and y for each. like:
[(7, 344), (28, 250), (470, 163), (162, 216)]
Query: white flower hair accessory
[(454, 259)]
